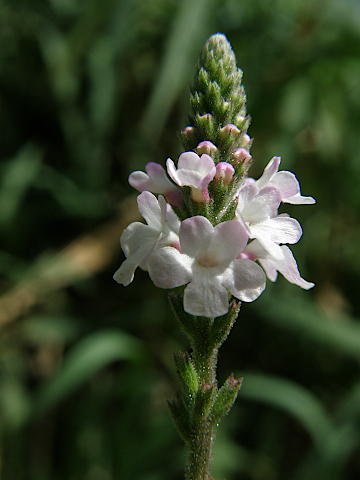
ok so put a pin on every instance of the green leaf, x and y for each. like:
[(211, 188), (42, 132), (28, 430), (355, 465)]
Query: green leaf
[(339, 332), (293, 399), (87, 358), (16, 178), (186, 32)]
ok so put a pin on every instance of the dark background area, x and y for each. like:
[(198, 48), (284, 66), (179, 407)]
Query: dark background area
[(91, 90)]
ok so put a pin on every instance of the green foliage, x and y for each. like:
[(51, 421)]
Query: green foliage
[(92, 90)]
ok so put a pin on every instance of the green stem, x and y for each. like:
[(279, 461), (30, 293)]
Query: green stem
[(202, 404), (202, 435)]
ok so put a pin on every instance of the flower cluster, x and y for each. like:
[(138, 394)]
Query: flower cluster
[(215, 251)]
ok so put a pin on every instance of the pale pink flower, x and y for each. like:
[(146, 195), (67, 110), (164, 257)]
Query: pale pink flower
[(285, 182), (195, 172), (208, 263), (287, 266), (138, 240), (155, 180), (257, 212)]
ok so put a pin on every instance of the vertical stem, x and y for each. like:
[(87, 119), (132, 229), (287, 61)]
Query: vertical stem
[(202, 436)]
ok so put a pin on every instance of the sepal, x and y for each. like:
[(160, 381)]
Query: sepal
[(181, 418), (187, 321), (204, 400), (222, 325), (225, 398), (187, 375)]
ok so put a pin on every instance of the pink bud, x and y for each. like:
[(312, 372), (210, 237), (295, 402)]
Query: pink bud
[(188, 131), (206, 147), (224, 172), (246, 139), (241, 155), (231, 129)]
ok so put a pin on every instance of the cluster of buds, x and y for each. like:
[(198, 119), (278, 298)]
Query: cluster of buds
[(211, 228)]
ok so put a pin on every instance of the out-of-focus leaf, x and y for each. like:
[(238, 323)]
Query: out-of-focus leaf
[(17, 176), (293, 399), (296, 104), (14, 404), (303, 317), (349, 407), (43, 329), (74, 200), (87, 358), (180, 55)]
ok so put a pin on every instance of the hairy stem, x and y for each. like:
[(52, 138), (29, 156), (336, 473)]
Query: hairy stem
[(202, 435)]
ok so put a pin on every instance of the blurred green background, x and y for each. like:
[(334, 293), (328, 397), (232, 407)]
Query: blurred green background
[(91, 90)]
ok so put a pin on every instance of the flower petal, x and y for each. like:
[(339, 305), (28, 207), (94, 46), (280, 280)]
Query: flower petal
[(151, 209), (125, 274), (272, 232), (298, 199), (264, 205), (287, 267), (270, 170), (168, 268), (206, 297), (141, 181), (244, 279), (136, 235), (192, 170), (286, 183), (195, 235), (246, 193), (228, 241)]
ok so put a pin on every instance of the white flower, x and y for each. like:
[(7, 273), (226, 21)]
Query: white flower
[(138, 240), (257, 212), (193, 171), (208, 263), (285, 182), (155, 180), (286, 266)]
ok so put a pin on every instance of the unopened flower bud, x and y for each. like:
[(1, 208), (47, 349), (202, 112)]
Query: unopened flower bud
[(224, 172), (205, 117), (188, 131), (241, 155), (231, 129), (240, 118), (206, 147), (246, 140)]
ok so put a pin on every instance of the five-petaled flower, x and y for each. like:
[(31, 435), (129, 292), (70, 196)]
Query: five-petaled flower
[(195, 172), (138, 241), (214, 261), (208, 263)]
